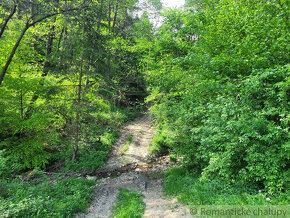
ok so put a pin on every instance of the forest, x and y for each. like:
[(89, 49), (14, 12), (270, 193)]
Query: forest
[(214, 75)]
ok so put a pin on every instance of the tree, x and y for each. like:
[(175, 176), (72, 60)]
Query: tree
[(31, 21), (214, 94), (7, 19)]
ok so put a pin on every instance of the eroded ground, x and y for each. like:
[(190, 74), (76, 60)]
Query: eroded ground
[(135, 170)]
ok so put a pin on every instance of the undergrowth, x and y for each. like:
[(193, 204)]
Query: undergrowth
[(191, 189), (128, 142), (96, 142), (162, 142), (47, 198), (129, 205), (43, 196)]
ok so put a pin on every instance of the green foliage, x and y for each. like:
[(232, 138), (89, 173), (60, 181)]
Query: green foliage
[(26, 142), (129, 204), (108, 139), (73, 81), (41, 118), (89, 160), (4, 168), (219, 84), (162, 142), (193, 190), (56, 198), (126, 146), (241, 140), (93, 156)]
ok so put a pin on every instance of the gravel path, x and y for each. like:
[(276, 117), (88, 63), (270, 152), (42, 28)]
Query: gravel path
[(134, 172), (157, 205), (142, 132)]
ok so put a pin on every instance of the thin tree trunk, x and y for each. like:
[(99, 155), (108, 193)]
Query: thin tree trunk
[(115, 17), (4, 70), (100, 12), (109, 16), (108, 60), (21, 104), (77, 130), (27, 26), (60, 38), (7, 20), (45, 67), (21, 98), (109, 27), (48, 52), (64, 39)]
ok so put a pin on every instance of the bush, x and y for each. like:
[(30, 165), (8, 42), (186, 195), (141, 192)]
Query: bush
[(246, 139), (162, 142), (89, 160), (219, 82), (194, 190), (129, 204), (61, 198)]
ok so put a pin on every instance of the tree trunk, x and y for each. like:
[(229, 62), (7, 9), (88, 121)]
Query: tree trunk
[(27, 26), (21, 98), (77, 130), (48, 51), (60, 38), (115, 17), (7, 20), (109, 16), (4, 70), (45, 68)]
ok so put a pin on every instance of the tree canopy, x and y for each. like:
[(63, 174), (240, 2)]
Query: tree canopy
[(215, 74)]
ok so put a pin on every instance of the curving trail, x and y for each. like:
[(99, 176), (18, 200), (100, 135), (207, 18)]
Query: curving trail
[(134, 170), (142, 132)]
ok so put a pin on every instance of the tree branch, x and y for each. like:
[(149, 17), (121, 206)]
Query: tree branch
[(7, 20), (27, 26)]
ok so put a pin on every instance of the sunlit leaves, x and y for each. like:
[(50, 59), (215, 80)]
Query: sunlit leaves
[(226, 94)]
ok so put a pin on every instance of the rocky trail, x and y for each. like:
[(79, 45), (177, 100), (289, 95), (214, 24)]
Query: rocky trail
[(135, 170)]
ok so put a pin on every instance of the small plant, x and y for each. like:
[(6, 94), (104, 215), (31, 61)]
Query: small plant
[(191, 189), (173, 158), (161, 142), (128, 142), (129, 204), (57, 198)]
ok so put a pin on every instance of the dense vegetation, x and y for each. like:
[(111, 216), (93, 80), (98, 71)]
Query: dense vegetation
[(70, 75), (129, 204), (219, 80), (55, 198), (191, 190), (69, 79), (71, 72)]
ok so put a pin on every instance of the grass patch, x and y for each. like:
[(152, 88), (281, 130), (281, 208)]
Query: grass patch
[(95, 143), (191, 190), (128, 142), (61, 198), (161, 143), (129, 205), (91, 156)]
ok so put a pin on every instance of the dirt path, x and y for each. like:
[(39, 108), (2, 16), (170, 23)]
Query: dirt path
[(142, 132), (134, 170)]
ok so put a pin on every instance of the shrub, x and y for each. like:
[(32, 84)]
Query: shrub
[(129, 204), (62, 198), (194, 190)]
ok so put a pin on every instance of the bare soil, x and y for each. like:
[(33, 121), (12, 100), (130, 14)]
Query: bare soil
[(134, 170)]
